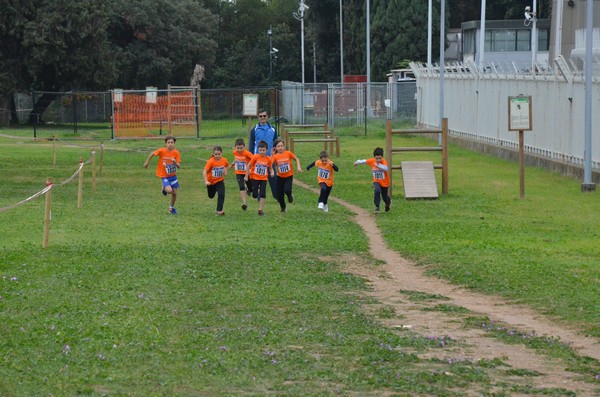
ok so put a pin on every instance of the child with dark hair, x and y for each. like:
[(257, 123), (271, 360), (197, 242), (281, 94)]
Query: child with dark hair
[(261, 166), (241, 158), (214, 173), (169, 160), (381, 178), (325, 170), (285, 172)]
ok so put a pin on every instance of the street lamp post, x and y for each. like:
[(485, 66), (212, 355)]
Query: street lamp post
[(341, 45), (270, 33), (300, 16)]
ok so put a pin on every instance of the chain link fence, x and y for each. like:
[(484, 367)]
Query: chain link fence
[(342, 106)]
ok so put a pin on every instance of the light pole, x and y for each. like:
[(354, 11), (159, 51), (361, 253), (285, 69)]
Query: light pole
[(341, 45), (368, 17), (270, 33), (300, 16)]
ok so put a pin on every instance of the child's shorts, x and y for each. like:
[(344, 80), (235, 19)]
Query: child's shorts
[(171, 181)]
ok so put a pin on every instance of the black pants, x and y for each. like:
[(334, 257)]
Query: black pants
[(378, 193), (258, 188), (242, 184), (325, 190), (284, 188), (273, 185), (219, 189)]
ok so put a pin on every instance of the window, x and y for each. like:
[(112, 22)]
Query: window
[(503, 40)]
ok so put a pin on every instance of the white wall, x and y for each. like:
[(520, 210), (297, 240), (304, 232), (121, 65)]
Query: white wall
[(477, 108)]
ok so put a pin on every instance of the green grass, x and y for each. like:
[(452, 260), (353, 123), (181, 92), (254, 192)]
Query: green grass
[(129, 300)]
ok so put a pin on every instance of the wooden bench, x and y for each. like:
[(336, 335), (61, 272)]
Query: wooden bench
[(330, 140)]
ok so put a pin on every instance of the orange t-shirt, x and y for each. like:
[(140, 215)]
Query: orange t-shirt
[(380, 176), (241, 161), (215, 170), (166, 167), (259, 167), (283, 163), (325, 172)]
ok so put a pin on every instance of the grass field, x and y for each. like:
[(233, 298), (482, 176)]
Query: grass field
[(128, 300)]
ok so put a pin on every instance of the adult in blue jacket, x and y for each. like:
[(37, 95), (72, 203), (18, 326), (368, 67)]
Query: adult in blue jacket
[(264, 131)]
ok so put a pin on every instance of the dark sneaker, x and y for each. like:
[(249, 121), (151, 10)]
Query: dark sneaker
[(291, 199), (244, 207), (261, 213), (172, 211), (377, 210), (163, 191)]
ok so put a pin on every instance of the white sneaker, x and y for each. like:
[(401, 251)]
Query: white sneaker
[(326, 208), (321, 206)]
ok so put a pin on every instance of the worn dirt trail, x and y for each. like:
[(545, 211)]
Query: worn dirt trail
[(397, 275)]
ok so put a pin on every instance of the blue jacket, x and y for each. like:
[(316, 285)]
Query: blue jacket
[(259, 133)]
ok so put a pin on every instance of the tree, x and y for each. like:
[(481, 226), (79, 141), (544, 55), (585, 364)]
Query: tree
[(49, 45), (158, 42)]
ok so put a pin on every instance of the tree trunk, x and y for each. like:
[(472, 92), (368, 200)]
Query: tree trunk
[(40, 106), (4, 110)]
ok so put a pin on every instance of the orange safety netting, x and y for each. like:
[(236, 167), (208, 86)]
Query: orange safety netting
[(173, 113)]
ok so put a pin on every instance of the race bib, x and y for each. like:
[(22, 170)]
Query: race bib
[(324, 173), (240, 166), (283, 168), (217, 172), (170, 168), (260, 169), (378, 175)]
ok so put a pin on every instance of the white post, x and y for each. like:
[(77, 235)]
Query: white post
[(302, 6), (587, 153), (481, 43), (429, 32), (558, 16), (442, 56), (342, 45), (534, 40), (368, 18)]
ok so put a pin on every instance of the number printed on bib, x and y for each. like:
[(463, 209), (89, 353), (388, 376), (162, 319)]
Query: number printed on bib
[(323, 173), (378, 175), (240, 166), (170, 168), (260, 169), (283, 168), (218, 172)]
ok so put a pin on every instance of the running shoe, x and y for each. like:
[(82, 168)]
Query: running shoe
[(261, 213), (163, 191), (377, 210), (172, 211), (244, 207), (325, 208), (321, 206), (220, 213)]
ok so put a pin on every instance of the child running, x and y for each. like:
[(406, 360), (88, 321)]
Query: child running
[(381, 178), (261, 167), (285, 172), (241, 159), (169, 160), (214, 173), (325, 169)]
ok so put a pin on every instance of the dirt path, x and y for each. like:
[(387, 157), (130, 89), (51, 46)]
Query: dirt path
[(392, 282)]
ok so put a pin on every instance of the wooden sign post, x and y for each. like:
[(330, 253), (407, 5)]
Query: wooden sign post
[(519, 119)]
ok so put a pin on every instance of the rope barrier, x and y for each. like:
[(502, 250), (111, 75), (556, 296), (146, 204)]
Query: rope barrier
[(47, 188), (28, 199)]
